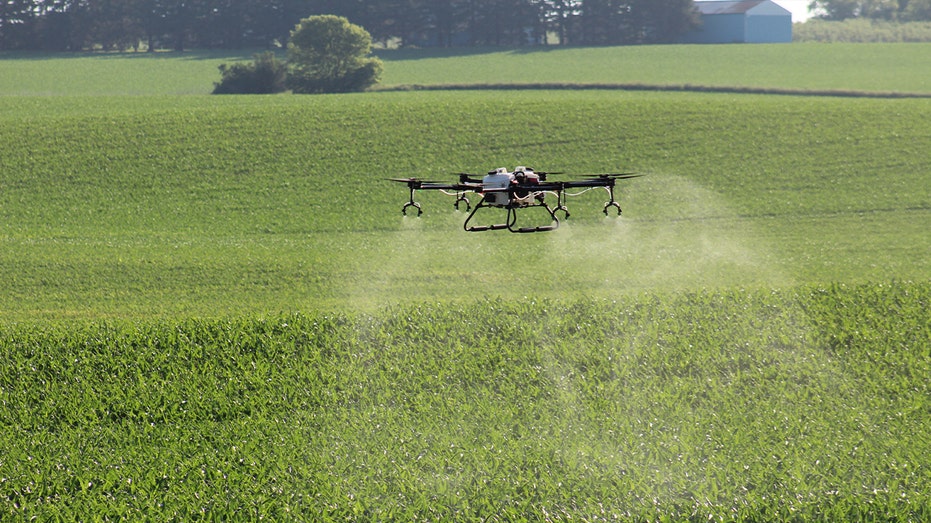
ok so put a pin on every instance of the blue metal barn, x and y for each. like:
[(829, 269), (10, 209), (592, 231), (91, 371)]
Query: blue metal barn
[(746, 21)]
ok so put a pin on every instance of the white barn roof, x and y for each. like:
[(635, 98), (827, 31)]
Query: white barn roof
[(740, 7)]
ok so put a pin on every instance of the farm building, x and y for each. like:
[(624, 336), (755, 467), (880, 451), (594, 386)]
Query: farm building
[(745, 21)]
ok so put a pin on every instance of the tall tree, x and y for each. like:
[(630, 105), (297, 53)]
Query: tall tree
[(166, 23), (601, 22), (446, 18), (179, 24), (500, 22), (273, 20), (62, 25), (17, 24), (659, 21), (328, 54), (917, 10), (111, 24), (559, 16), (397, 20)]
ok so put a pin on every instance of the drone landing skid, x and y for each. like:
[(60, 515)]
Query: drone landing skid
[(511, 222)]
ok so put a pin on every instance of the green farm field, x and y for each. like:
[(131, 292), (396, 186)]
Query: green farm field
[(212, 308), (210, 206), (839, 66)]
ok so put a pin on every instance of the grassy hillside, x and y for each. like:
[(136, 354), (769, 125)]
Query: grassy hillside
[(212, 205)]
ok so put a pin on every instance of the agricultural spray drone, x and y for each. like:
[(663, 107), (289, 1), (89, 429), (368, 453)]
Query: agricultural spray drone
[(521, 189)]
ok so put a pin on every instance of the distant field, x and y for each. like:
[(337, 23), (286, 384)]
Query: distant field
[(875, 67), (893, 67), (211, 307)]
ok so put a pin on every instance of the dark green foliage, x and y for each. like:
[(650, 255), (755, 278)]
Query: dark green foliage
[(327, 54), (170, 24), (861, 30), (265, 75), (357, 79), (902, 10)]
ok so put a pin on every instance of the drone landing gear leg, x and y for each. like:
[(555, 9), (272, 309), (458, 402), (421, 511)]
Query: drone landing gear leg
[(560, 206), (413, 204), (461, 197), (512, 220), (612, 203), (480, 228)]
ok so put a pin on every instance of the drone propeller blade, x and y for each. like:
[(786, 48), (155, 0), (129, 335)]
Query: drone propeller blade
[(470, 178), (608, 176), (411, 180)]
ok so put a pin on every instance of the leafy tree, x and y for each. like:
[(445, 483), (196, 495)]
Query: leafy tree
[(505, 22), (559, 17), (265, 75), (442, 19), (327, 54), (112, 24), (16, 24), (660, 21), (916, 10), (230, 24), (844, 9)]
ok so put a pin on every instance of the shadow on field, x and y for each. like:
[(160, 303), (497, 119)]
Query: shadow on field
[(403, 55), (193, 55), (544, 86), (419, 53)]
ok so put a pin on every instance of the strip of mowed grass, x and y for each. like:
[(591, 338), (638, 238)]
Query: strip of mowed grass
[(133, 206)]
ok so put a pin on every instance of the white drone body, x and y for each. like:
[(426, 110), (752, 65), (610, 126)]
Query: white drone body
[(497, 185), (521, 189)]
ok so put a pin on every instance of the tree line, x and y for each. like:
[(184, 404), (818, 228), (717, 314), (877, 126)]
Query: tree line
[(886, 10), (74, 25)]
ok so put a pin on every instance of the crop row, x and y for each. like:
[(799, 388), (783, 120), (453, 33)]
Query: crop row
[(808, 403)]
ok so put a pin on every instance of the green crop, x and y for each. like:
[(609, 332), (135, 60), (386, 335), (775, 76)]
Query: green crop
[(896, 67), (129, 207), (735, 405), (211, 308)]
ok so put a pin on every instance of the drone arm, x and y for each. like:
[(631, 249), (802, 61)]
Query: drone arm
[(607, 182), (413, 184), (460, 197)]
